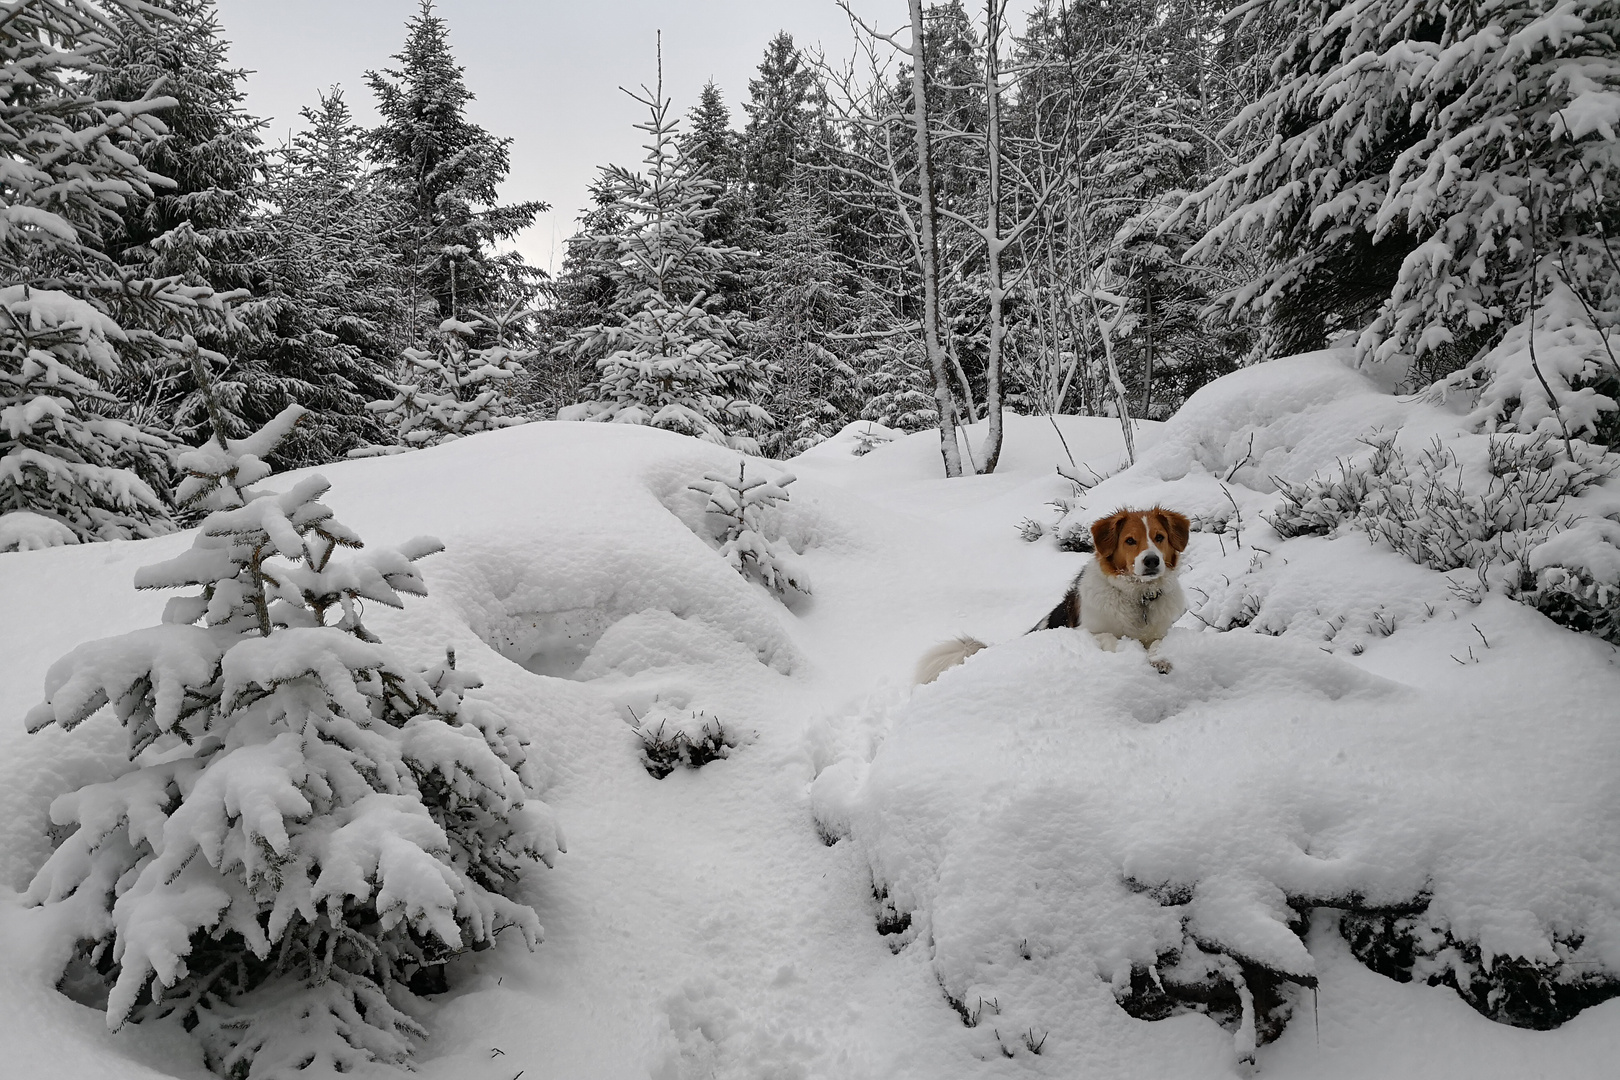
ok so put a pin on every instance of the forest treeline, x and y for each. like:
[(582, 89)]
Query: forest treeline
[(1096, 209)]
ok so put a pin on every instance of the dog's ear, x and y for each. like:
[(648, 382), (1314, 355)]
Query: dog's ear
[(1105, 534), (1177, 527)]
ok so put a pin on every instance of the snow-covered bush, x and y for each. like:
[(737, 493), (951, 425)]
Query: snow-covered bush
[(307, 822), (1410, 946), (1252, 1001), (1515, 520), (735, 509), (452, 391), (670, 741)]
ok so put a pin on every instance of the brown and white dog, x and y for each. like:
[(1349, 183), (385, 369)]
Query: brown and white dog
[(1127, 590)]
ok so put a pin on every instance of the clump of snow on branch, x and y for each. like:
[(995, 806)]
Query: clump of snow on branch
[(736, 510), (306, 821), (24, 530), (215, 474)]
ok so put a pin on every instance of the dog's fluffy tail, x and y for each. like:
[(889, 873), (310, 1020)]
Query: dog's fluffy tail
[(944, 656)]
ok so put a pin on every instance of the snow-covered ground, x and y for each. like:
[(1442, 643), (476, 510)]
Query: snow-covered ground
[(1030, 830)]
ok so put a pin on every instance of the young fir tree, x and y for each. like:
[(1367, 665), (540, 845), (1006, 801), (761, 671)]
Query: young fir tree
[(1425, 170), (332, 285), (803, 296), (454, 389), (445, 172), (894, 379), (306, 821), (737, 509), (581, 297), (70, 319), (664, 356)]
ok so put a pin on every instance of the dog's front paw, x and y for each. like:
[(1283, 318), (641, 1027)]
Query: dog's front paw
[(1161, 665)]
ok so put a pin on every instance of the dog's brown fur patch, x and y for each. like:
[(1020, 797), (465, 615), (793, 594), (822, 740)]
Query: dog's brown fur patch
[(1176, 528), (1122, 535)]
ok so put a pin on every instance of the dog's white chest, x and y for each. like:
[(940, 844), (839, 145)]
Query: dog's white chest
[(1126, 608)]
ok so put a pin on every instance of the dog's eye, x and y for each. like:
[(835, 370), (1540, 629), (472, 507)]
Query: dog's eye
[(1131, 540), (1159, 539)]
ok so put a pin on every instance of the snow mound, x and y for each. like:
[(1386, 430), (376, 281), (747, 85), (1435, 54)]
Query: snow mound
[(606, 534), (1051, 817), (1062, 831)]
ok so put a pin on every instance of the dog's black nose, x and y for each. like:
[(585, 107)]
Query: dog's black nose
[(1150, 561)]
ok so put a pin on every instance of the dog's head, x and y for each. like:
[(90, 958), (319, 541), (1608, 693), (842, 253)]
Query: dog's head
[(1142, 544)]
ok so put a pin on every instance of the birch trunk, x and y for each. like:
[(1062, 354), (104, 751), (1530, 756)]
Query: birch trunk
[(928, 219), (1147, 363), (993, 239)]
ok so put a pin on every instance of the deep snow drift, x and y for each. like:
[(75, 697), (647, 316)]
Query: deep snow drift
[(1036, 833)]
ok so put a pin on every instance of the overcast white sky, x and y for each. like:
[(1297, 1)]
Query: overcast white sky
[(546, 72)]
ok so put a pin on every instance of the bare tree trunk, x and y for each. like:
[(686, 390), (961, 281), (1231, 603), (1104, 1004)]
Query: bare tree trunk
[(927, 222), (1106, 328), (1147, 367), (993, 240)]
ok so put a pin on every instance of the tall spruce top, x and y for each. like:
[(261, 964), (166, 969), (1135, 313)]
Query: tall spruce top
[(447, 170)]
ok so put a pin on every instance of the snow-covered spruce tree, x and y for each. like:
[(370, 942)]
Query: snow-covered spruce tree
[(331, 287), (452, 390), (804, 301), (736, 509), (783, 131), (64, 454), (895, 383), (307, 822), (665, 356), (1152, 155), (70, 320), (715, 152), (211, 227), (445, 171), (198, 225), (1421, 165), (581, 297)]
